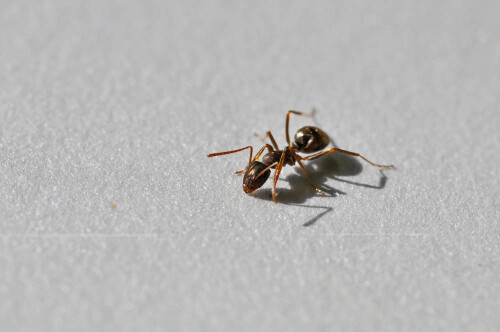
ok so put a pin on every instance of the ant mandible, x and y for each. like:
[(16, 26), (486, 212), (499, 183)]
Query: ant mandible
[(308, 139)]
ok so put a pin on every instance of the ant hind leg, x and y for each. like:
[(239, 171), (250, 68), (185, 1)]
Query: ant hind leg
[(298, 158), (355, 154), (276, 176), (313, 111)]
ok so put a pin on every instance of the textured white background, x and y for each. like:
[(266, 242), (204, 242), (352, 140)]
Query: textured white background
[(115, 102)]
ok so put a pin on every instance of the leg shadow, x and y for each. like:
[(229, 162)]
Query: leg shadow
[(330, 166), (320, 171), (289, 197), (338, 164), (298, 193)]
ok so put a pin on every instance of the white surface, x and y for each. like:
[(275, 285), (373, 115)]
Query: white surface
[(110, 102)]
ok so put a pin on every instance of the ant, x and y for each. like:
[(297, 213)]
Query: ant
[(308, 139)]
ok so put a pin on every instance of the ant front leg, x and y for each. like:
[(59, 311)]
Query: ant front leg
[(355, 154), (263, 139), (269, 148), (313, 111), (234, 151)]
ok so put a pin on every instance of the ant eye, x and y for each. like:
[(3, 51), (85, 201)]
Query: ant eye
[(252, 181)]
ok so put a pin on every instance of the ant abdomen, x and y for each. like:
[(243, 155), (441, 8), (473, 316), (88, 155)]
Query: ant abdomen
[(250, 181), (310, 139)]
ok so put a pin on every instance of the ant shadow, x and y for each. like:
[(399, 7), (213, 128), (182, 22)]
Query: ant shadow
[(320, 171)]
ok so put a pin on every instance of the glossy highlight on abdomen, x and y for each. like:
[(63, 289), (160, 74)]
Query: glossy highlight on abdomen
[(310, 139), (250, 181)]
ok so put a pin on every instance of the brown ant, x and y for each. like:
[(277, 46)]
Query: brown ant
[(308, 139)]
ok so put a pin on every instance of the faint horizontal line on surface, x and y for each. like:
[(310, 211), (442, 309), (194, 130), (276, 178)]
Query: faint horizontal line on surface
[(376, 234), (79, 235)]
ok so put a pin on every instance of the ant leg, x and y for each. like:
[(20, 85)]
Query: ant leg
[(270, 148), (288, 121), (262, 172), (233, 151), (268, 134), (265, 169), (305, 173), (276, 176), (320, 154)]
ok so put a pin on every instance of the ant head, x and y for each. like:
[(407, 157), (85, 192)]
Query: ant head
[(252, 180)]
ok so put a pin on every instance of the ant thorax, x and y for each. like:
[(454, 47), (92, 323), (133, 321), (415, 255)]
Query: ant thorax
[(275, 156)]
